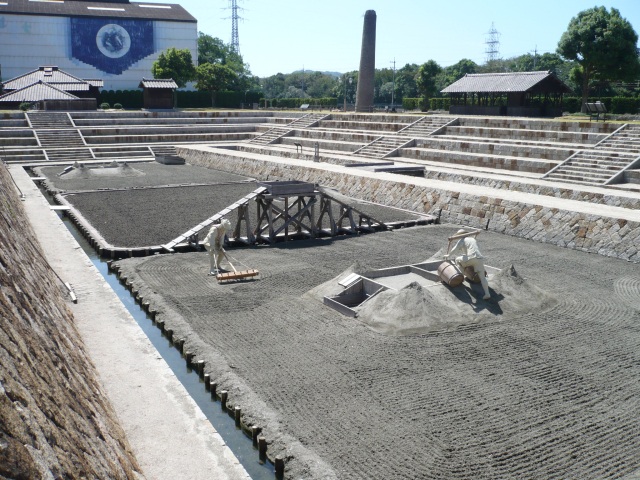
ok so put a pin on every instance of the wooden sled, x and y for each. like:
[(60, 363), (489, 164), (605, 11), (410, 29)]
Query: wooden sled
[(237, 275)]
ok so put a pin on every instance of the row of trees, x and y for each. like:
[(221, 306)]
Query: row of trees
[(220, 68), (597, 51)]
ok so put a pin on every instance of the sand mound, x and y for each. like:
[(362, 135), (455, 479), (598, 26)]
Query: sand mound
[(417, 310), (112, 170)]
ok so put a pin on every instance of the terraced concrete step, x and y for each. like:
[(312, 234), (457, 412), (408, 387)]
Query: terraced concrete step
[(59, 138), (525, 134), (70, 154), (488, 161), (158, 121), (23, 155), (49, 119), (573, 179)]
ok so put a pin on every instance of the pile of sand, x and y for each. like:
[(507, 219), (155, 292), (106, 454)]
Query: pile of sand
[(114, 169), (416, 309)]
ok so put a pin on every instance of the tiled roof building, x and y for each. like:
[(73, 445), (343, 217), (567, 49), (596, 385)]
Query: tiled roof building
[(115, 41), (531, 94)]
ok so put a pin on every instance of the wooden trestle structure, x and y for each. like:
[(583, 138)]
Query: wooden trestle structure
[(287, 210)]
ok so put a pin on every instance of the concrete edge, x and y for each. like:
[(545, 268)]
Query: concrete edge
[(169, 434)]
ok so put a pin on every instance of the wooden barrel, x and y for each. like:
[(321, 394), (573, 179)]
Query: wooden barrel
[(471, 274), (450, 274)]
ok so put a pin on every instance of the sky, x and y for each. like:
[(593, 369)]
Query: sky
[(282, 36)]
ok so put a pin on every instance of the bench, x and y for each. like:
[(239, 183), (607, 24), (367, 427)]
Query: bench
[(595, 110)]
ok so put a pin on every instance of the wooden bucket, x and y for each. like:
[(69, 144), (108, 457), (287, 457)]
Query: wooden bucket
[(471, 274), (450, 274)]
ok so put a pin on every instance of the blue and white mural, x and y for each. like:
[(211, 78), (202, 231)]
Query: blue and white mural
[(111, 45)]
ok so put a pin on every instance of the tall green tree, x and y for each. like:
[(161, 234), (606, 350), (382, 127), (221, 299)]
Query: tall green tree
[(406, 82), (213, 78), (603, 44), (176, 64), (455, 72), (214, 51), (426, 78)]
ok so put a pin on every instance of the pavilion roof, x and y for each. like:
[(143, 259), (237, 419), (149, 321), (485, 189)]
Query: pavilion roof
[(532, 82)]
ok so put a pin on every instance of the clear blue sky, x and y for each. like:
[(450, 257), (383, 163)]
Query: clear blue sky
[(326, 35)]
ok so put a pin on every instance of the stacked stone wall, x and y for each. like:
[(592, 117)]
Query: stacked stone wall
[(55, 420), (590, 233)]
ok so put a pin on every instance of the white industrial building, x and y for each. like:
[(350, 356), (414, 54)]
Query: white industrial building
[(113, 40)]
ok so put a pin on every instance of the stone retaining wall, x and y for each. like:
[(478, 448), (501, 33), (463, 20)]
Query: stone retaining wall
[(591, 233), (55, 420)]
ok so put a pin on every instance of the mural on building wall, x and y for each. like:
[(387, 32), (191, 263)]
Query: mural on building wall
[(111, 45)]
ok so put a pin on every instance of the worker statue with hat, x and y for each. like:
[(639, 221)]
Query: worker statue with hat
[(214, 242), (467, 254)]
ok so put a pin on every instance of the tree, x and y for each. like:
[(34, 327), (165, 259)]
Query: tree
[(426, 78), (455, 72), (214, 78), (406, 82), (176, 64), (214, 51), (603, 44)]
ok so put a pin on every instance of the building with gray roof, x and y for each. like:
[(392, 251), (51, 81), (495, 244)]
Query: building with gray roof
[(113, 41), (530, 94)]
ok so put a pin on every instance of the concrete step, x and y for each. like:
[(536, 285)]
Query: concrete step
[(167, 137), (495, 148), (69, 154), (590, 171), (526, 134), (632, 176), (498, 162), (160, 121), (324, 145), (49, 119), (15, 141), (572, 179), (23, 155), (120, 152)]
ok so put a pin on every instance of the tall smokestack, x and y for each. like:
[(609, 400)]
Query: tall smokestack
[(364, 93)]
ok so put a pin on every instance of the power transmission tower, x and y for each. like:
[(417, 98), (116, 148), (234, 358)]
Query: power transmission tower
[(493, 44), (235, 41)]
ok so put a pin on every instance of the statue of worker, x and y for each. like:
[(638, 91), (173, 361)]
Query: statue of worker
[(467, 254), (214, 242)]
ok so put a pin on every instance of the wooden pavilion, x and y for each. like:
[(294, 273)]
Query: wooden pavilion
[(518, 94), (158, 93)]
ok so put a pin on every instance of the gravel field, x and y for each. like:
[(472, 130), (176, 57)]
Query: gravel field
[(134, 175), (154, 216), (144, 217), (551, 392)]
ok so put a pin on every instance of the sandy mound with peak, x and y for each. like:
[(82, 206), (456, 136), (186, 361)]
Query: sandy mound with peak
[(112, 170), (417, 310)]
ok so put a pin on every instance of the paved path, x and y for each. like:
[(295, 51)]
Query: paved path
[(170, 436)]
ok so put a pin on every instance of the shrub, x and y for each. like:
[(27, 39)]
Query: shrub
[(410, 103), (624, 105), (104, 106), (117, 106), (24, 106)]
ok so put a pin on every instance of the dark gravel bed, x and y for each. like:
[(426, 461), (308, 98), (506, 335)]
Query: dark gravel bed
[(154, 216), (549, 394), (135, 175)]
